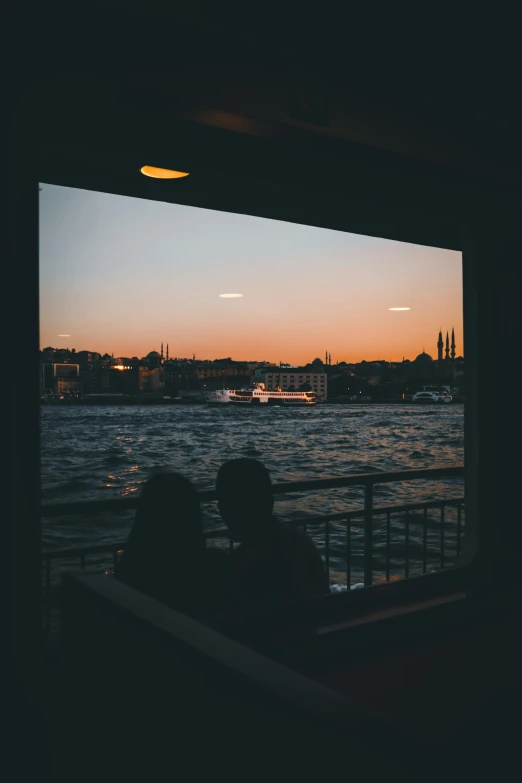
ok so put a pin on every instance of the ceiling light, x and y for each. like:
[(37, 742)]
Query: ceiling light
[(152, 171)]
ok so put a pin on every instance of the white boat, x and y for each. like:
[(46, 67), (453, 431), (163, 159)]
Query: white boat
[(432, 396), (258, 395)]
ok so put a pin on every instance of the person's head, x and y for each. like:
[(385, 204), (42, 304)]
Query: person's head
[(245, 498), (168, 520)]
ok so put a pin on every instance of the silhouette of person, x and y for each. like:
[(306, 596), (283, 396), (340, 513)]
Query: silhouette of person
[(274, 560), (165, 555)]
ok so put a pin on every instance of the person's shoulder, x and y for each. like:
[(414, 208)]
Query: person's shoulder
[(297, 533), (295, 538), (302, 541)]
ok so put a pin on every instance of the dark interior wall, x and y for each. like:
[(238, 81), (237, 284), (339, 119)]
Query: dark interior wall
[(146, 691), (21, 550), (22, 412), (493, 249)]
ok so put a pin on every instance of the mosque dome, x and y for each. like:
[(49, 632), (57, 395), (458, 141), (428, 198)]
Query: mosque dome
[(317, 361), (424, 358), (153, 355)]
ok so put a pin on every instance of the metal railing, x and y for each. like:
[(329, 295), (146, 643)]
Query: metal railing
[(364, 515)]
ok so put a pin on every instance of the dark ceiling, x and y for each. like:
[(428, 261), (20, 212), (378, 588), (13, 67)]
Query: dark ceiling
[(316, 100), (460, 75), (429, 86)]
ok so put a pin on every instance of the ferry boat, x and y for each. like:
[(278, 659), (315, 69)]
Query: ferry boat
[(432, 394), (258, 395)]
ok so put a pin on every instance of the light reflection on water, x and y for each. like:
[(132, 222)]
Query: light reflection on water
[(86, 454)]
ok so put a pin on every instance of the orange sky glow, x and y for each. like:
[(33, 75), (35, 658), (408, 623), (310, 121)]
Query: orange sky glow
[(122, 275)]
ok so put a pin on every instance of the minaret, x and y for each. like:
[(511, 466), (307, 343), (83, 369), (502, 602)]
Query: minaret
[(447, 357), (447, 346), (167, 351), (326, 358), (161, 351), (439, 346), (329, 358), (453, 354)]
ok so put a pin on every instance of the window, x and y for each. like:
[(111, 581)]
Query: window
[(431, 275)]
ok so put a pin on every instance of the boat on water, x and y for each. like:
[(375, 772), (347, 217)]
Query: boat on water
[(258, 395), (428, 396)]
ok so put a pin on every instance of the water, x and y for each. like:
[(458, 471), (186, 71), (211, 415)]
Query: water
[(106, 452)]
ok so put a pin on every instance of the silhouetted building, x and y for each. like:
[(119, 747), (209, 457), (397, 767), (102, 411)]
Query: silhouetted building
[(151, 380), (446, 365), (154, 359), (61, 378), (116, 379), (424, 366), (87, 357), (221, 369), (452, 356)]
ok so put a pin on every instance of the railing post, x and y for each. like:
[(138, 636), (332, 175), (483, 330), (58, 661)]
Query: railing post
[(407, 545), (424, 540), (442, 536), (459, 528), (388, 524), (48, 596), (327, 547), (368, 537), (348, 555)]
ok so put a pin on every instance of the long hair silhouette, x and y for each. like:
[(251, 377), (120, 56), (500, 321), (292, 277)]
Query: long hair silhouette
[(165, 537)]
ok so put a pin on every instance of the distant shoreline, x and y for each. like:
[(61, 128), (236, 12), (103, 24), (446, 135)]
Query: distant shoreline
[(140, 403)]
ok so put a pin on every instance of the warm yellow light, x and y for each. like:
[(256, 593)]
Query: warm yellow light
[(152, 171)]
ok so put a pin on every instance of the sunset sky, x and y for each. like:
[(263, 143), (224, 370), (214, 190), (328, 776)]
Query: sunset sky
[(121, 275)]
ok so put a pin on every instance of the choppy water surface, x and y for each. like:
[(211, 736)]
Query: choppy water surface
[(104, 452)]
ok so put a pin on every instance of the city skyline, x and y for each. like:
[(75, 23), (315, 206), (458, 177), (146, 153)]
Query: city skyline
[(122, 275), (166, 355)]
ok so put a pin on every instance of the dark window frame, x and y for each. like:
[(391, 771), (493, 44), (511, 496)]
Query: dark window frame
[(421, 205)]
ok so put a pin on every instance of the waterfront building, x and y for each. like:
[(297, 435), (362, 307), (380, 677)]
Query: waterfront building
[(295, 378), (113, 377), (61, 378), (119, 379), (220, 368), (151, 380)]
